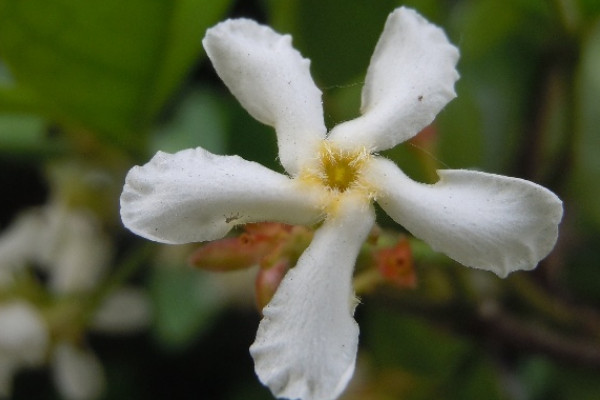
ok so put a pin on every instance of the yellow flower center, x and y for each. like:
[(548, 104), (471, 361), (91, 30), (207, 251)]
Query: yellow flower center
[(337, 169)]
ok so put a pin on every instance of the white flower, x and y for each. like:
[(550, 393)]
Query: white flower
[(68, 244), (24, 341), (71, 247), (77, 372), (24, 337), (307, 341), (126, 310)]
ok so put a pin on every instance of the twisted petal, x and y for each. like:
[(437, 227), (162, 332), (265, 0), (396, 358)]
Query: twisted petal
[(481, 220), (193, 195), (306, 343), (410, 79), (272, 81)]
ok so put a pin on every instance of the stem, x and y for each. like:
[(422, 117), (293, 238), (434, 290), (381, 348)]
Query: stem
[(488, 321), (124, 271), (530, 336), (553, 308)]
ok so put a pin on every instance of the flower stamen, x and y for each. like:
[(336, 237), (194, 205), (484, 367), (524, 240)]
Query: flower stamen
[(340, 169)]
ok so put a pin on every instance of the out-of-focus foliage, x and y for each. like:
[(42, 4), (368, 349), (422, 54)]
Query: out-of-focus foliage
[(107, 66), (90, 88), (587, 162), (184, 303)]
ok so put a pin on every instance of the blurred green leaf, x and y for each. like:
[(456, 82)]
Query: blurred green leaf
[(18, 100), (199, 120), (484, 25), (413, 344), (583, 274), (536, 374), (103, 65), (250, 139), (338, 35), (23, 135), (543, 379), (184, 304), (483, 127), (408, 157), (439, 363), (479, 380), (460, 131), (502, 50), (587, 168), (591, 8)]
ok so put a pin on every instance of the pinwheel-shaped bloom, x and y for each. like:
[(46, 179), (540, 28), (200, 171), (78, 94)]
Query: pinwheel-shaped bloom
[(307, 341)]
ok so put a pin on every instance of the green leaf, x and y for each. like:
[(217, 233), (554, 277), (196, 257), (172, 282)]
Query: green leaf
[(587, 168), (478, 380), (500, 57), (460, 131), (435, 362), (545, 379), (103, 65), (483, 26), (590, 8), (250, 139), (22, 135), (339, 36), (483, 127), (199, 120), (184, 305), (189, 20), (413, 344)]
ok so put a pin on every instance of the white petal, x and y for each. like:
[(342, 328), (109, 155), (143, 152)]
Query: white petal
[(7, 370), (272, 81), (306, 343), (69, 244), (19, 243), (23, 333), (80, 251), (78, 374), (193, 196), (125, 310), (481, 220), (410, 79)]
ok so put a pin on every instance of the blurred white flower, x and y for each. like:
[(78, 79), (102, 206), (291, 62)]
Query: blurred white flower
[(77, 372), (66, 244), (306, 343), (23, 333), (24, 340), (72, 251), (125, 310)]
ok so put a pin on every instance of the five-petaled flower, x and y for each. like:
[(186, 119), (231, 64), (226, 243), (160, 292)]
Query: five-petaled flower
[(306, 343)]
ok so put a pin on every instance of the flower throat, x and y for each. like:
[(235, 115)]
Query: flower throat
[(340, 169)]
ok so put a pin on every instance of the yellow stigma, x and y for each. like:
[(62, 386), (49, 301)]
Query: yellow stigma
[(340, 169)]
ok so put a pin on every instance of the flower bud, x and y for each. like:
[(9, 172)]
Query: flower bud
[(395, 264), (267, 282)]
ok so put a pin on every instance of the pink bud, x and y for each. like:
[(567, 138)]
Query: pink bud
[(395, 264), (257, 242), (267, 282), (229, 254)]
